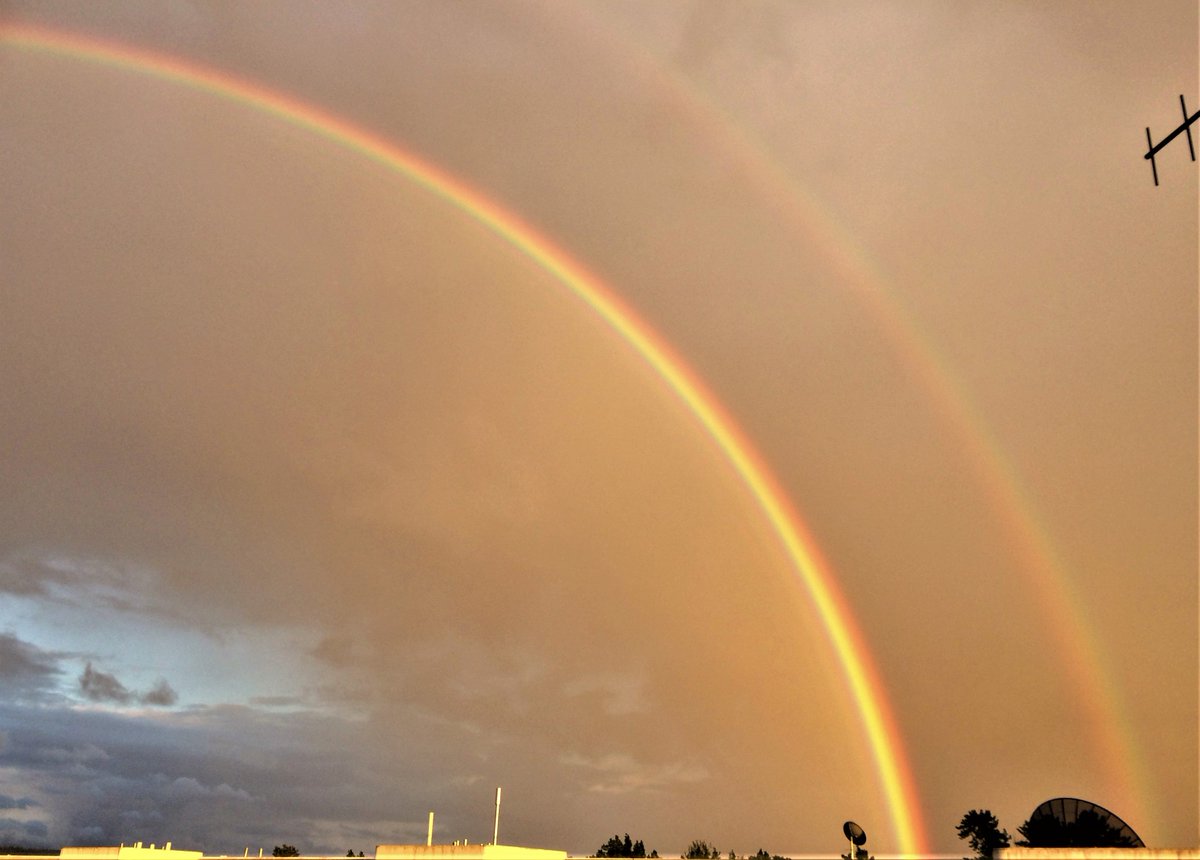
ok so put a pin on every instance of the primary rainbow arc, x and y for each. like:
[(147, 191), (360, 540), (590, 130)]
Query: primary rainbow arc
[(849, 645), (1056, 593)]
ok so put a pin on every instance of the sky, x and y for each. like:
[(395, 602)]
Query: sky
[(331, 493)]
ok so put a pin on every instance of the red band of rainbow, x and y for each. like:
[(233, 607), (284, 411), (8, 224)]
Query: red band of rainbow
[(862, 678)]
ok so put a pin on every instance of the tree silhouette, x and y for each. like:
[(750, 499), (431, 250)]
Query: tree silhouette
[(762, 854), (701, 850), (982, 831), (285, 850), (618, 847)]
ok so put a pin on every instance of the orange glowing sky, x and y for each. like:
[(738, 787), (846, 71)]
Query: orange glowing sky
[(636, 405)]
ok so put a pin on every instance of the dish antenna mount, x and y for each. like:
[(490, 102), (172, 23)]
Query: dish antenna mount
[(857, 837), (1060, 815)]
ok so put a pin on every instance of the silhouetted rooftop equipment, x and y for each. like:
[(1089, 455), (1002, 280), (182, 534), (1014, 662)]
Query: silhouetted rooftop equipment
[(857, 837), (1185, 126), (1066, 811)]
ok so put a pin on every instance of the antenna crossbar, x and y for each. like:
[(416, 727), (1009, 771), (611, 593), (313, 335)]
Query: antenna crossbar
[(1153, 148)]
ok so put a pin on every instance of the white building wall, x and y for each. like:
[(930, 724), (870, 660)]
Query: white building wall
[(1018, 853)]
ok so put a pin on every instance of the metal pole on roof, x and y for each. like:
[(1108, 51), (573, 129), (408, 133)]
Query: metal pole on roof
[(496, 830)]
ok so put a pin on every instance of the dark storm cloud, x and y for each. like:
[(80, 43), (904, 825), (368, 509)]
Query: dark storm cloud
[(161, 693), (90, 582), (7, 802), (224, 778), (20, 576), (144, 771), (59, 577), (14, 832), (26, 670), (101, 686)]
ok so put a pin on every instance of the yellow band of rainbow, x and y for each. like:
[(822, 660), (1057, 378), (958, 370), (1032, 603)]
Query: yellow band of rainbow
[(1054, 590), (849, 645)]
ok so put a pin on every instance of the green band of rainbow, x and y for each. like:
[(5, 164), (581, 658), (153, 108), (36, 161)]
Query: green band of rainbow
[(849, 645), (1075, 642)]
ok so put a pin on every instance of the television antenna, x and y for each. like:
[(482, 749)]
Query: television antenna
[(1185, 126)]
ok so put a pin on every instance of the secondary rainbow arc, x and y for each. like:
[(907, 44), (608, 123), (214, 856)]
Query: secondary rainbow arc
[(1074, 638), (848, 643)]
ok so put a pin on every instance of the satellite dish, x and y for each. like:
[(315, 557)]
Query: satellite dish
[(1062, 814), (854, 833)]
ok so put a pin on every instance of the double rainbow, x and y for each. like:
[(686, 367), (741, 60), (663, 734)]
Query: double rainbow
[(848, 643), (1076, 644)]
